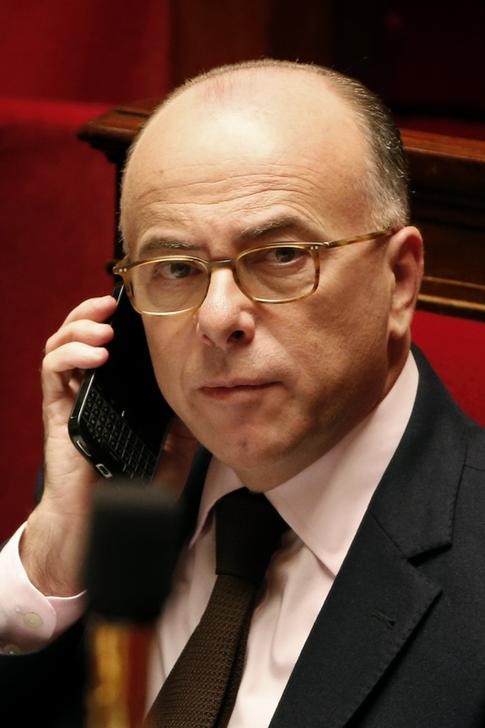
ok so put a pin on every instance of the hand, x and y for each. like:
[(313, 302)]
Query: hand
[(53, 544)]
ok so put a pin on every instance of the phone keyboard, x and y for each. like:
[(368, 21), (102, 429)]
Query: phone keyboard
[(112, 432)]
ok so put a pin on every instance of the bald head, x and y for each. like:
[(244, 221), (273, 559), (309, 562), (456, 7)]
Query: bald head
[(279, 104)]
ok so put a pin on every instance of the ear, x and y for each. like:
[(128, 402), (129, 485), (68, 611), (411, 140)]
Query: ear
[(405, 251)]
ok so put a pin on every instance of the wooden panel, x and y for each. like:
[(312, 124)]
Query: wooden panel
[(209, 33), (448, 204)]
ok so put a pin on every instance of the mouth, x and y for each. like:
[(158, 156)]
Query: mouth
[(236, 389)]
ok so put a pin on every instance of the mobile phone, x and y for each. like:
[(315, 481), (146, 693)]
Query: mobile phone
[(119, 419)]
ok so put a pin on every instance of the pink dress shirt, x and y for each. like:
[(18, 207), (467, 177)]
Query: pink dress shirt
[(323, 505)]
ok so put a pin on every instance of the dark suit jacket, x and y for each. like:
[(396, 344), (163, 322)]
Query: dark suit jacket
[(400, 640)]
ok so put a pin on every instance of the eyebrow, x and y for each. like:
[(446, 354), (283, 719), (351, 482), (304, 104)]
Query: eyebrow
[(281, 224), (158, 244)]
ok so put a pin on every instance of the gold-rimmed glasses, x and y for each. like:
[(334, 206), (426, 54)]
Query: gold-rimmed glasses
[(279, 272)]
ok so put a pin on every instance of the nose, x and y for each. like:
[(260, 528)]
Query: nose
[(226, 316)]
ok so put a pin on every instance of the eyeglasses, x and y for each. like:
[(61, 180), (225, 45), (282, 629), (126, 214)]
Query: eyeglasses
[(277, 273)]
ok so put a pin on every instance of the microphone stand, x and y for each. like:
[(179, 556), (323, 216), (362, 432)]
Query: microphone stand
[(119, 655), (134, 542)]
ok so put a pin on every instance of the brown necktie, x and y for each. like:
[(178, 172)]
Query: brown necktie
[(201, 689)]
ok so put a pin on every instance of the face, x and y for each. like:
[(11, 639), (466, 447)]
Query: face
[(266, 388)]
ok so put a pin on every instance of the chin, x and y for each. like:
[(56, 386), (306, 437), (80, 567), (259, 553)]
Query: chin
[(257, 453), (252, 443), (235, 446)]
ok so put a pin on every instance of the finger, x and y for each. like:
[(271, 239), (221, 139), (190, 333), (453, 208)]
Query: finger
[(59, 365), (84, 330), (74, 355), (176, 458), (179, 439), (96, 309)]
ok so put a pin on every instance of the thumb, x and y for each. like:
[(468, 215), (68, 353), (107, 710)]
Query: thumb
[(176, 458)]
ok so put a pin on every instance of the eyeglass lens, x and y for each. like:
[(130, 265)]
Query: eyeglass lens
[(274, 274), (277, 274)]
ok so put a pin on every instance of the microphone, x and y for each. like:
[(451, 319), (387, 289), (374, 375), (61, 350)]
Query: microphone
[(136, 535)]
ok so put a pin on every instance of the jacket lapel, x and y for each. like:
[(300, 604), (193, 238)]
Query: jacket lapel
[(367, 618), (379, 596)]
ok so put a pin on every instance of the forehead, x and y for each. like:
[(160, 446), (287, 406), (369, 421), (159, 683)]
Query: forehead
[(275, 143)]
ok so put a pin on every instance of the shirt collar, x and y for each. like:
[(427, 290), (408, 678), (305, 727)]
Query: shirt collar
[(325, 503)]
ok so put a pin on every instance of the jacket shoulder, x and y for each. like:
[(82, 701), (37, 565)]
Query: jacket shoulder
[(475, 457)]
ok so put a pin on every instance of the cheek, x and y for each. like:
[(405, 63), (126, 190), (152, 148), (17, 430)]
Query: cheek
[(340, 341)]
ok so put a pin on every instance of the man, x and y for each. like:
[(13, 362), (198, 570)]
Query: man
[(373, 613)]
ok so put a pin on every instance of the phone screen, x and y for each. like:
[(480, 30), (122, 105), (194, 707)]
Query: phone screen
[(120, 418)]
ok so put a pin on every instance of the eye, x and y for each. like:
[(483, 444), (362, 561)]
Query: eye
[(282, 259), (278, 257), (284, 255), (174, 270), (179, 270)]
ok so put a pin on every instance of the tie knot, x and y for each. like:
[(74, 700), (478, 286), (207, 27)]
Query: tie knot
[(248, 530)]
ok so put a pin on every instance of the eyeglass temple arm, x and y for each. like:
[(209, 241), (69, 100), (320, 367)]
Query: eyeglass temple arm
[(357, 239)]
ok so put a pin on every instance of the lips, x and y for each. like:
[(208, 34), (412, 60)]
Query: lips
[(234, 383), (223, 389)]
